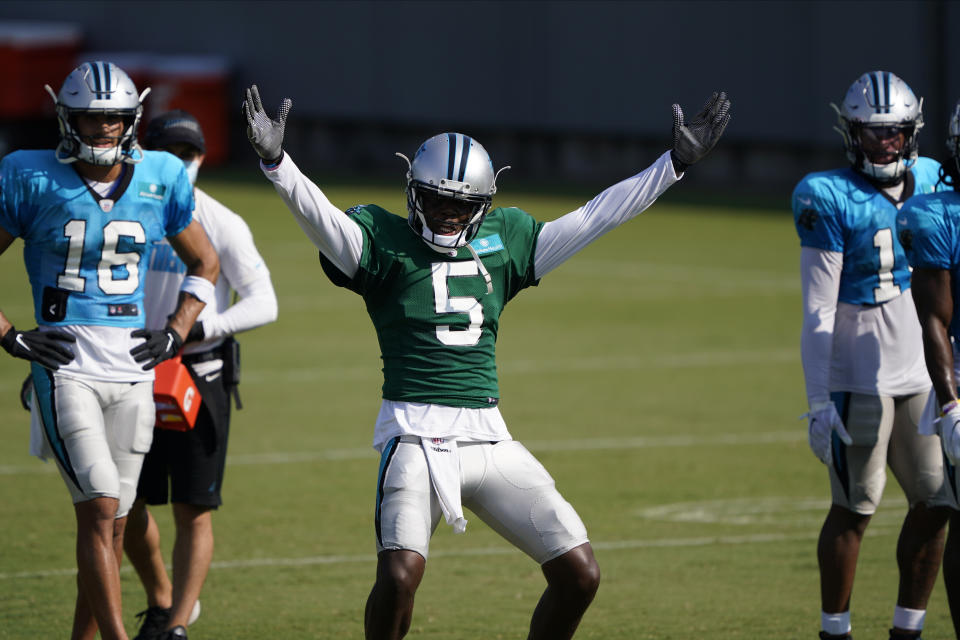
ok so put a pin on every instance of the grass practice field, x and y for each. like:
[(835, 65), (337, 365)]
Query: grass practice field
[(656, 375)]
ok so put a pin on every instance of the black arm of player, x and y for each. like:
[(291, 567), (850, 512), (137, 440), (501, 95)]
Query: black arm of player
[(693, 140), (44, 347), (934, 301)]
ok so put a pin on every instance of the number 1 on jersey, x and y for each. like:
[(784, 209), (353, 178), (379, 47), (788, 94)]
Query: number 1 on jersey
[(883, 241)]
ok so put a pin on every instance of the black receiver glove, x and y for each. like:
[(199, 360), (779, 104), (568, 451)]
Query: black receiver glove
[(693, 140), (265, 134), (43, 347), (159, 345)]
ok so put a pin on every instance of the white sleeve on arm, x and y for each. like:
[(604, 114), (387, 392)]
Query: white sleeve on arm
[(820, 280), (337, 236), (561, 238), (256, 307), (244, 270)]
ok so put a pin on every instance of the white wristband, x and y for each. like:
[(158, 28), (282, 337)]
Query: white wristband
[(200, 288)]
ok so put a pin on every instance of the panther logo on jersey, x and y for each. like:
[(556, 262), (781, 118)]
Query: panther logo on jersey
[(354, 209), (808, 218)]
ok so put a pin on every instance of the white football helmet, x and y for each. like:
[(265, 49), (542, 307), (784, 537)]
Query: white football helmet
[(99, 87), (455, 166), (880, 99)]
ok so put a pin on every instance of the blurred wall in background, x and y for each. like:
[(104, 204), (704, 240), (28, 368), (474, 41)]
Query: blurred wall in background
[(566, 91)]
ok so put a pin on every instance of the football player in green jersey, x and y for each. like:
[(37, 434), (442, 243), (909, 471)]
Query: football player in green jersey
[(434, 285)]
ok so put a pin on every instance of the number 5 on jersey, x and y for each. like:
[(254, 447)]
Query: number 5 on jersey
[(445, 303)]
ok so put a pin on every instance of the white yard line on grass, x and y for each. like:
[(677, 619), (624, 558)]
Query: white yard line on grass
[(580, 444), (369, 558)]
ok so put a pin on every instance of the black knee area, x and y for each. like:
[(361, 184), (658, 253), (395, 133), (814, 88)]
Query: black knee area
[(399, 573), (577, 578)]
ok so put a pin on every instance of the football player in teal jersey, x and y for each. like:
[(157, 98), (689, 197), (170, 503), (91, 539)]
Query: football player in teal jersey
[(930, 233), (434, 283), (89, 213), (861, 349)]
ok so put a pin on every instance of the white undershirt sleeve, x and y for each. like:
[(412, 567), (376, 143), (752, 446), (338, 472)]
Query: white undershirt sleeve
[(820, 281), (256, 307), (337, 236), (561, 238)]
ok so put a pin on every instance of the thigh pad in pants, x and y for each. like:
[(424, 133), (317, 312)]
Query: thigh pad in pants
[(97, 431), (508, 488)]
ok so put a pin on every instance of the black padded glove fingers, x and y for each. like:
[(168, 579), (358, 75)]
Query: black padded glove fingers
[(693, 140), (44, 347), (158, 346), (264, 133)]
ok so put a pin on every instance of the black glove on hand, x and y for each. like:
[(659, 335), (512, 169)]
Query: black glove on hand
[(158, 346), (265, 134), (43, 347), (693, 140)]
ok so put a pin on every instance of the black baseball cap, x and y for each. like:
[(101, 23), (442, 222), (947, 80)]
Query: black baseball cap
[(172, 127)]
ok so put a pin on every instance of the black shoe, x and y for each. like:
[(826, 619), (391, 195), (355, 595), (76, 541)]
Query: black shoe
[(154, 623), (177, 633), (904, 636), (823, 636)]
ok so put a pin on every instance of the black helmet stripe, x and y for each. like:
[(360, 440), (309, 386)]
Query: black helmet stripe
[(106, 78), (95, 68), (886, 91), (455, 168), (464, 154), (876, 91), (452, 154)]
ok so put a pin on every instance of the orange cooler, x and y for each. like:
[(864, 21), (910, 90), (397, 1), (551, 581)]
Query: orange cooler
[(176, 396)]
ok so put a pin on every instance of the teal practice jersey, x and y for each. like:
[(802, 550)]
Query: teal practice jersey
[(930, 233), (841, 211), (435, 322), (85, 254)]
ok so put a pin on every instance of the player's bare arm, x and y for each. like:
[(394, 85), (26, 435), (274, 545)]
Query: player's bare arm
[(203, 267), (934, 301), (197, 253)]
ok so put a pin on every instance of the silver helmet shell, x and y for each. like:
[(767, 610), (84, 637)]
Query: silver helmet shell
[(450, 165), (880, 99), (98, 87)]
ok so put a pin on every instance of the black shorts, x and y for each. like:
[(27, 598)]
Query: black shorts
[(187, 466)]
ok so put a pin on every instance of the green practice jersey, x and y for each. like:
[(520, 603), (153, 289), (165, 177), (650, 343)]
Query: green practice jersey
[(436, 323)]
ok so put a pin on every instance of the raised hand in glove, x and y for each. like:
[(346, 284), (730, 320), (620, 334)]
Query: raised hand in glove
[(264, 133), (694, 139), (158, 345), (949, 428), (44, 347), (824, 420)]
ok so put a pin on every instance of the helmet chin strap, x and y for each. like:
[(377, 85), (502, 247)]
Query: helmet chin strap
[(450, 244), (483, 269)]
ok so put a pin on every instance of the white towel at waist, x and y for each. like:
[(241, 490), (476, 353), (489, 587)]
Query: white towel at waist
[(443, 461)]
